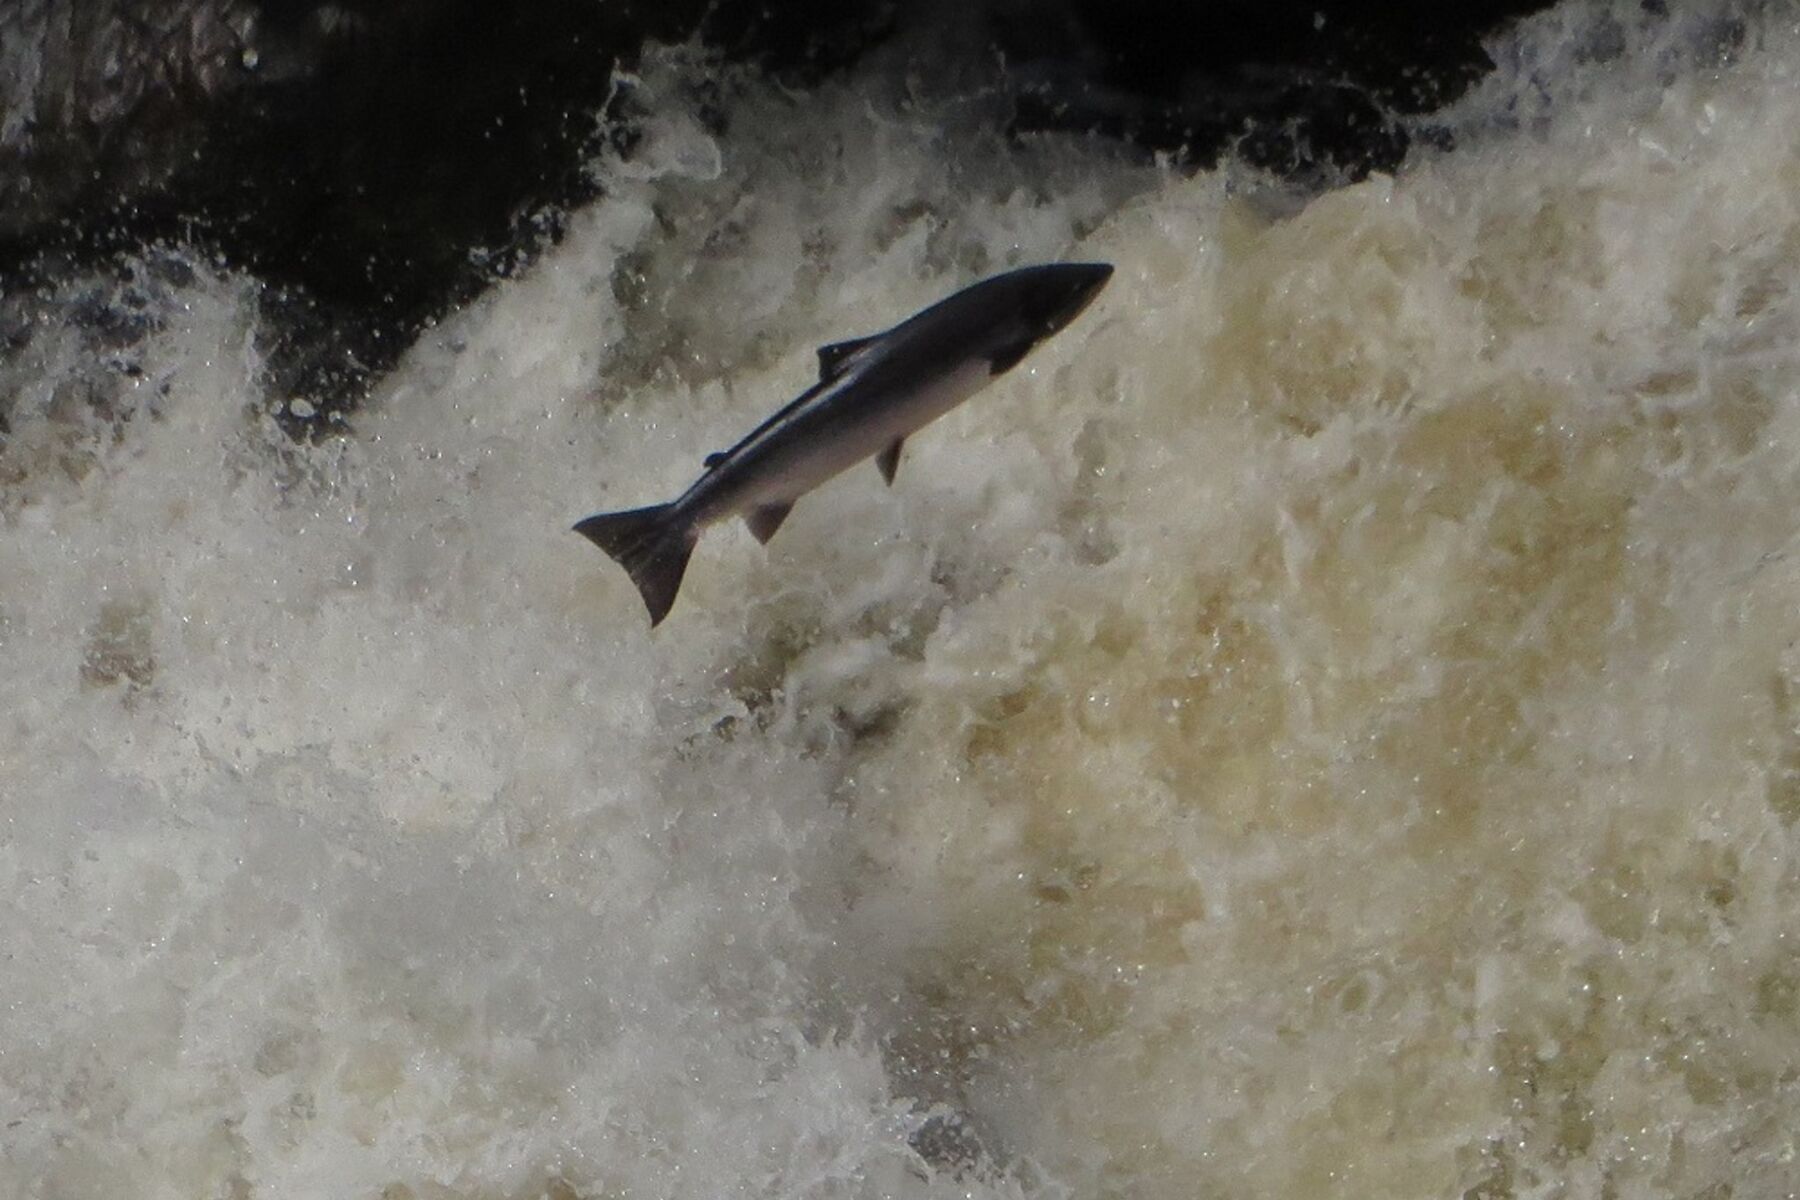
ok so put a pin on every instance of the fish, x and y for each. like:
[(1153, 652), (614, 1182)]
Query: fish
[(871, 395)]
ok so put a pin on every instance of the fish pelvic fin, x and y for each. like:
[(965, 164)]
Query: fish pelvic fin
[(889, 459), (652, 544), (766, 519)]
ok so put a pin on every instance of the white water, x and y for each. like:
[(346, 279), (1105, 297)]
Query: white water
[(1327, 725)]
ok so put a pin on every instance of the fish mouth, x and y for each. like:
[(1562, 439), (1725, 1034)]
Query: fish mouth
[(1076, 285), (1093, 276)]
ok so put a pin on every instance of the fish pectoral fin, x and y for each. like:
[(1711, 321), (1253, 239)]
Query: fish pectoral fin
[(835, 357), (889, 459), (765, 519), (1008, 357)]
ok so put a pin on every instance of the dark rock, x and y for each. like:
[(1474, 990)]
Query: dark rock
[(1309, 90), (374, 164)]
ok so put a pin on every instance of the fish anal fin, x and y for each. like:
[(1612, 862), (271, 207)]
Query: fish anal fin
[(765, 519), (889, 459), (653, 546), (1008, 357), (835, 357)]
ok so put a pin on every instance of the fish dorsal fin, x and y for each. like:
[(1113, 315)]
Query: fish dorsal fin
[(835, 357), (715, 458), (889, 460), (765, 519)]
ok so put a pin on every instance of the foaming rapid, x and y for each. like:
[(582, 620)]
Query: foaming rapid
[(1324, 725)]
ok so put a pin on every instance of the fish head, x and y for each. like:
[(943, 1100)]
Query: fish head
[(1052, 296), (1029, 305)]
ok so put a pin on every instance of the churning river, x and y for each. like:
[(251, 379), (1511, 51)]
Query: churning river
[(1327, 724)]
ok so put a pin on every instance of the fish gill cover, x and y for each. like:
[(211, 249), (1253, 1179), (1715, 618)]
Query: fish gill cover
[(1326, 725)]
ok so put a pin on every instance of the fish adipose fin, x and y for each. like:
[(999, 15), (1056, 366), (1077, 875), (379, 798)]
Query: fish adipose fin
[(716, 457), (652, 545), (766, 519), (889, 460), (835, 357)]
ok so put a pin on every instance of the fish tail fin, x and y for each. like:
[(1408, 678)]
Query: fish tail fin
[(653, 546)]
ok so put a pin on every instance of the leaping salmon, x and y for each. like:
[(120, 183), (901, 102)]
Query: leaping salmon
[(873, 392)]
